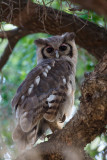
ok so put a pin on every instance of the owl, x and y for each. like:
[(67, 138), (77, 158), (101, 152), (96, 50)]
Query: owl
[(46, 95)]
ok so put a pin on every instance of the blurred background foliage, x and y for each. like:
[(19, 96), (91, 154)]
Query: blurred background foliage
[(22, 60)]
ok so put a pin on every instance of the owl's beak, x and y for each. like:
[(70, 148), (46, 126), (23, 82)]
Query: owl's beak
[(57, 54)]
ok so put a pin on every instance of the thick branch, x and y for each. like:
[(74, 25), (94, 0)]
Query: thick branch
[(48, 20), (36, 18), (99, 6), (89, 122)]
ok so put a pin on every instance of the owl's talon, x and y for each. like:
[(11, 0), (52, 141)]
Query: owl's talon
[(63, 119)]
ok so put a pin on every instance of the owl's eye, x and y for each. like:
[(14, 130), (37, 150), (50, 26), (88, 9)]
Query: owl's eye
[(49, 49), (63, 47)]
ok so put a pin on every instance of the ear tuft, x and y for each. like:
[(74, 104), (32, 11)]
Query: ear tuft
[(69, 36), (40, 41)]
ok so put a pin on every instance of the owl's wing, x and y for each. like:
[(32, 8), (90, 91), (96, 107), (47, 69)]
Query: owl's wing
[(42, 92)]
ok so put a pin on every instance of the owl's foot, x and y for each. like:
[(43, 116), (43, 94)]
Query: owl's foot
[(63, 119)]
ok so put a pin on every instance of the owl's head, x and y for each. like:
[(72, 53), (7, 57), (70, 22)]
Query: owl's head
[(56, 47)]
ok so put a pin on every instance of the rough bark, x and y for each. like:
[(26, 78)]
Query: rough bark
[(89, 122), (10, 8), (99, 6)]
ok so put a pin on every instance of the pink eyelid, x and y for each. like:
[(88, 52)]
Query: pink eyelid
[(63, 44), (49, 47)]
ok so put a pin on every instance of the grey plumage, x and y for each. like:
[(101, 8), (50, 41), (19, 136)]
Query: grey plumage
[(47, 93)]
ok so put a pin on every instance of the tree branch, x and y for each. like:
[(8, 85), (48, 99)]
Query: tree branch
[(13, 36), (33, 18), (10, 33), (89, 122), (99, 6), (89, 36)]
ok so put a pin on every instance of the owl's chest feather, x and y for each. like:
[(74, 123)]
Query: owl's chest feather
[(47, 89)]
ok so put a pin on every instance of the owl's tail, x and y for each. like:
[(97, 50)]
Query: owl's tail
[(25, 140)]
